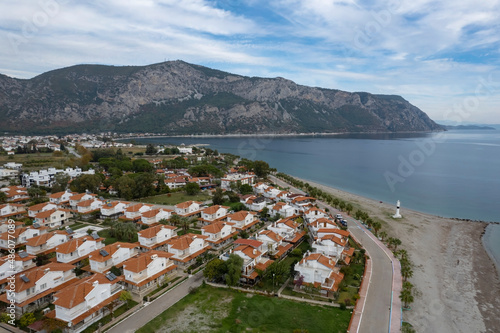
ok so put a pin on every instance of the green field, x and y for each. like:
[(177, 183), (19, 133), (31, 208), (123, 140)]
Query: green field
[(212, 309), (175, 198)]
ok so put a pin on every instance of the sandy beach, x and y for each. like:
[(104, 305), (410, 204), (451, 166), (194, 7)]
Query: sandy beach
[(457, 284)]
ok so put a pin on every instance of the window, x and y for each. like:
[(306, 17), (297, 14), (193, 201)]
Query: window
[(43, 286)]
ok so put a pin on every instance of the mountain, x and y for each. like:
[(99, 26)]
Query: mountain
[(467, 127), (176, 97)]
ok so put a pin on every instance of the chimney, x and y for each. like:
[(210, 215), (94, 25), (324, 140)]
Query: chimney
[(118, 246), (46, 270), (95, 283), (254, 251)]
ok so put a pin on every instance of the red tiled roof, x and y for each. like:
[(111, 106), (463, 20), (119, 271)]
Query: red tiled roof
[(140, 263), (252, 242)]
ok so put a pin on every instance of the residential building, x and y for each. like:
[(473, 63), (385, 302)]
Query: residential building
[(243, 219), (213, 213), (319, 271), (133, 213), (11, 211), (154, 216), (157, 237), (254, 203), (33, 289), (15, 193), (19, 236), (77, 198), (274, 244), (253, 260), (314, 213), (188, 208), (237, 178), (77, 249), (42, 207), (53, 218), (288, 229), (219, 233), (47, 242), (148, 271), (85, 302), (111, 255), (187, 248), (61, 198), (9, 266), (283, 209), (114, 209)]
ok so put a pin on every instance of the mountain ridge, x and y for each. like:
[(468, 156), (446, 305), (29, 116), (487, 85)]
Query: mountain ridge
[(179, 98)]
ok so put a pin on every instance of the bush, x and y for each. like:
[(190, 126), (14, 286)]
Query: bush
[(343, 306)]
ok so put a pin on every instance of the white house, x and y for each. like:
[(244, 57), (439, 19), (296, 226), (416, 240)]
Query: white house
[(33, 289), (288, 229), (133, 213), (274, 244), (147, 271), (156, 237), (75, 199), (314, 213), (60, 198), (11, 211), (8, 173), (111, 255), (89, 206), (259, 188), (19, 236), (154, 216), (77, 249), (252, 260), (271, 192), (235, 178), (243, 219), (213, 213), (188, 208), (319, 270), (330, 245), (42, 207), (53, 218), (9, 266), (114, 209), (219, 233), (85, 302), (46, 243), (187, 247), (253, 202), (15, 193), (283, 209)]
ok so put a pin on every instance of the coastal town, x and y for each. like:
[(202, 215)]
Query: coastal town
[(80, 249)]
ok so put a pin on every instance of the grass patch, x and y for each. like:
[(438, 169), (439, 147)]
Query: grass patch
[(175, 198), (192, 231), (225, 310)]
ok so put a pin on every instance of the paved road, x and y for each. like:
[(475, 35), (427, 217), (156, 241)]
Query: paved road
[(149, 312), (376, 313)]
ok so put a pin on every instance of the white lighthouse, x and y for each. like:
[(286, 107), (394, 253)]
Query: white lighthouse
[(397, 215)]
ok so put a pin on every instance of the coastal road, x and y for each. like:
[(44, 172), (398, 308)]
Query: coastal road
[(376, 316), (151, 311)]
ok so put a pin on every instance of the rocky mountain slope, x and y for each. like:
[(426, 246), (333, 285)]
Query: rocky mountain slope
[(180, 98)]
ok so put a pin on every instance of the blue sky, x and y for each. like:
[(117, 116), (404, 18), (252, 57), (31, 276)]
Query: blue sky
[(443, 57)]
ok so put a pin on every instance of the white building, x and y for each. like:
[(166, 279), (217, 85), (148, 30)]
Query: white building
[(83, 303), (319, 270), (77, 249), (133, 213), (156, 237), (47, 177), (237, 178), (10, 266), (114, 209), (111, 255), (154, 216), (46, 243), (219, 233), (188, 208), (34, 288), (213, 213), (147, 271), (52, 218), (243, 219), (187, 247)]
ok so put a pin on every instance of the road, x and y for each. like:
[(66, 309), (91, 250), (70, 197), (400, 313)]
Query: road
[(151, 311), (377, 309)]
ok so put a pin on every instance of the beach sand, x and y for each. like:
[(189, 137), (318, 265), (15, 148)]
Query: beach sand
[(457, 284)]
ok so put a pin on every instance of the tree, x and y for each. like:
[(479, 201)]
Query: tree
[(218, 198), (126, 187), (4, 317), (192, 188), (383, 235), (348, 208), (175, 220), (60, 182), (53, 324), (376, 226), (246, 189), (234, 265), (3, 197), (406, 272), (141, 165), (150, 149), (143, 185), (299, 281), (86, 182), (396, 242), (125, 296), (261, 169), (215, 270), (27, 319), (115, 270), (406, 297)]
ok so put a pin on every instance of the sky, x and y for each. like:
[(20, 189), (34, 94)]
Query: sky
[(442, 56)]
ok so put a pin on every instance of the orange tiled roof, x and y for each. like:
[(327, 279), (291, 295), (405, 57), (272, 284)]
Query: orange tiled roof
[(271, 235), (140, 263), (252, 242), (37, 273), (38, 207), (213, 209), (74, 244), (184, 241), (111, 248), (241, 215), (153, 231), (40, 239), (45, 214), (248, 251), (214, 228)]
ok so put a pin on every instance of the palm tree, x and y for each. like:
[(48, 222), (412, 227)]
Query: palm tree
[(348, 208), (406, 272), (406, 297), (383, 235), (175, 220), (341, 205), (376, 226), (396, 242)]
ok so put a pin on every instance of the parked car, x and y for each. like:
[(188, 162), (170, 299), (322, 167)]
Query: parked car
[(338, 216)]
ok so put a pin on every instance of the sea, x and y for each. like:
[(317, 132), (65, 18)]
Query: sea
[(451, 174)]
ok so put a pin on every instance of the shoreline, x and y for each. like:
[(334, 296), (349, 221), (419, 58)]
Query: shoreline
[(251, 135), (456, 282), (485, 239)]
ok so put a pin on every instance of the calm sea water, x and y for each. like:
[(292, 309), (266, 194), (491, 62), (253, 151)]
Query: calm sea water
[(451, 174)]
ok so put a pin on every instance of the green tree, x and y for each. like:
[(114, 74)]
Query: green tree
[(125, 296), (60, 182), (86, 182), (27, 319), (3, 197), (406, 272), (141, 165), (234, 265), (218, 197), (4, 317), (406, 297), (348, 208), (143, 185), (261, 169), (246, 189), (376, 226), (150, 149), (115, 270), (215, 270), (126, 187), (192, 188)]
